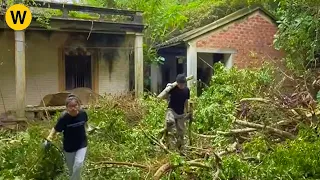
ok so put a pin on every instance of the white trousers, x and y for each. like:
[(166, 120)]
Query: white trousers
[(74, 162)]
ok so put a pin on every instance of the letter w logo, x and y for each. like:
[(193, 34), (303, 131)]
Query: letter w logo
[(18, 16)]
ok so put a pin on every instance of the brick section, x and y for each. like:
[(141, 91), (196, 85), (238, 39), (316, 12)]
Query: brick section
[(252, 38)]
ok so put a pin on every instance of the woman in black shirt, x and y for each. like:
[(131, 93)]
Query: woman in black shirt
[(73, 123)]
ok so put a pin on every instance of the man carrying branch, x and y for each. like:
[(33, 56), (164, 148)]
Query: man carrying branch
[(176, 113)]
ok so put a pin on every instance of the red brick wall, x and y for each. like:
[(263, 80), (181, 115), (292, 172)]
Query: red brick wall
[(252, 38)]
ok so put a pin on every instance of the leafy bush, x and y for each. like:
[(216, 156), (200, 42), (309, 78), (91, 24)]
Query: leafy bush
[(216, 107), (297, 159), (23, 157)]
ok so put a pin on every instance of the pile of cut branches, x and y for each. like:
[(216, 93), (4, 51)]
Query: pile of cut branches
[(235, 136)]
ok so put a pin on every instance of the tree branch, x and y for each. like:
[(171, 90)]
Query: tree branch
[(166, 167), (120, 164), (231, 132), (259, 126)]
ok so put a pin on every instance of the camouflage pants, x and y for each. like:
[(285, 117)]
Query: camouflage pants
[(175, 129)]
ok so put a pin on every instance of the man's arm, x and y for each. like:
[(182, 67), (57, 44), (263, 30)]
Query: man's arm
[(186, 103), (186, 106)]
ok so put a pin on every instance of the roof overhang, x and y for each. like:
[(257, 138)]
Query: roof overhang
[(76, 25), (67, 23), (190, 35)]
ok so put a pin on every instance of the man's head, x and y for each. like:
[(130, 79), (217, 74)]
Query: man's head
[(181, 80)]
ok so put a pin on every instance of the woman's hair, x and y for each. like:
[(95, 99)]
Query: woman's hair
[(72, 97)]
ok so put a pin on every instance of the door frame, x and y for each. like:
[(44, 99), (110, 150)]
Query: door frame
[(94, 70)]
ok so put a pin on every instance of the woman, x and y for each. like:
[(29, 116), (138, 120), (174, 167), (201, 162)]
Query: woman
[(73, 123)]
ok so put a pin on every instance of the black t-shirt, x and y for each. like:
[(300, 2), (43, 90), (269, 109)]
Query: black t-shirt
[(178, 98), (73, 128)]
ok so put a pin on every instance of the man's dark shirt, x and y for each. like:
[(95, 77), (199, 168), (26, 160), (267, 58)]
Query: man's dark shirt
[(73, 128), (177, 99)]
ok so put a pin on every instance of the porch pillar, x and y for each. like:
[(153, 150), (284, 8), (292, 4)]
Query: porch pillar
[(138, 65), (192, 64), (228, 60), (155, 77), (20, 74)]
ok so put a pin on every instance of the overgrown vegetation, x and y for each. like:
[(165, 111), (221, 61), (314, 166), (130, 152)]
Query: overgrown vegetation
[(126, 142)]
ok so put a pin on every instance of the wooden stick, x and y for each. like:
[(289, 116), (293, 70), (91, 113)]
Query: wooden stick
[(255, 99), (259, 126), (122, 164), (167, 89), (166, 167), (159, 143), (231, 132), (218, 164)]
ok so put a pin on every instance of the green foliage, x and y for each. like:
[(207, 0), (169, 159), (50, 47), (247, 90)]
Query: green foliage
[(298, 33), (216, 107), (234, 168), (23, 156), (297, 159), (156, 109)]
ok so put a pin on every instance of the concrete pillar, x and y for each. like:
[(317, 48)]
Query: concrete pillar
[(138, 64), (228, 60), (20, 74), (192, 64), (155, 78)]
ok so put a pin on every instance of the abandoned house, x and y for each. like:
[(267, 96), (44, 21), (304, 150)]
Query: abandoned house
[(102, 52), (242, 39)]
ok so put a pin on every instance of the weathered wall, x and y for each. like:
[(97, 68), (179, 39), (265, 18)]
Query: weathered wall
[(41, 68), (252, 38), (114, 65), (42, 57), (7, 85)]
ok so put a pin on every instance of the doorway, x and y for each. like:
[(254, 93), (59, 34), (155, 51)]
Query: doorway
[(205, 67), (78, 72), (180, 63)]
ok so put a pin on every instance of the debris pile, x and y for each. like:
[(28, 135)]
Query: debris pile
[(239, 132)]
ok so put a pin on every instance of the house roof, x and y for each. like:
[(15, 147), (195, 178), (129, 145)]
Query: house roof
[(129, 21), (214, 25)]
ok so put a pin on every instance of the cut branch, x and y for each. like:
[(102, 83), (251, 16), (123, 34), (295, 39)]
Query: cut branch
[(283, 123), (231, 132), (121, 164), (255, 99), (160, 144), (231, 149), (259, 126), (218, 165), (167, 167)]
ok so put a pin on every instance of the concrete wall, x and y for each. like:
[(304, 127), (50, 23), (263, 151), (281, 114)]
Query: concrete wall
[(115, 79), (42, 75), (252, 38)]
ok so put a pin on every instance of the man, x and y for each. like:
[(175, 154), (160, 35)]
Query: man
[(177, 109)]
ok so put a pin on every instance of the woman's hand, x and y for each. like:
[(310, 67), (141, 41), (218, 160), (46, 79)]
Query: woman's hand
[(49, 138), (52, 133)]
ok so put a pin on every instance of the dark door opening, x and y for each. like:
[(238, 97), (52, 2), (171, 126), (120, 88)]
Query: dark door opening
[(218, 57), (78, 72), (165, 75), (179, 65)]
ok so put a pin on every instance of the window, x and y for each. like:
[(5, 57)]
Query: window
[(78, 72)]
